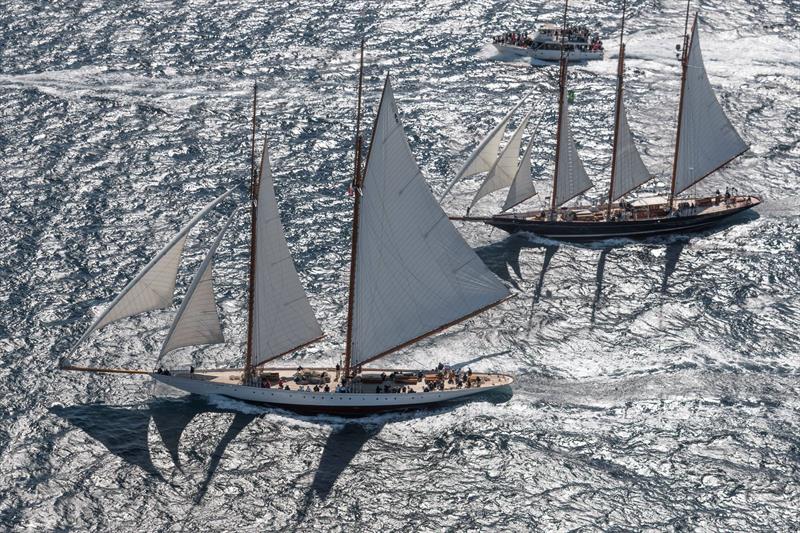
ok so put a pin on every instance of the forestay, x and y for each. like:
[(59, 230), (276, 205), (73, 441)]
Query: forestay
[(485, 155), (414, 273), (571, 179), (522, 187), (197, 321), (707, 139), (154, 285), (629, 170), (502, 173), (283, 319)]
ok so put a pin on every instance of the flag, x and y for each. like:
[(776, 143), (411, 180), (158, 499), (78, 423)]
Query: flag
[(571, 97)]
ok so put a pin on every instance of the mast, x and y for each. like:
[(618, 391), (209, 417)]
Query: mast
[(356, 186), (562, 82), (684, 67), (248, 365), (620, 74)]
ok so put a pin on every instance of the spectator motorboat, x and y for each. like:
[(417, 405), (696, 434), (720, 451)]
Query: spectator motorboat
[(551, 43)]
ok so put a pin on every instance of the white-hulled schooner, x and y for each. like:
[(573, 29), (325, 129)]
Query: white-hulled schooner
[(705, 142), (412, 275)]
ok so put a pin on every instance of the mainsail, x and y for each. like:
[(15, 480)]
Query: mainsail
[(706, 139), (154, 285), (283, 319), (485, 155), (571, 179), (197, 321), (522, 186), (502, 172), (629, 170), (414, 273)]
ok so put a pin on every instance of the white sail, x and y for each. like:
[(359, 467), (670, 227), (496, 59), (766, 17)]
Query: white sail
[(414, 274), (154, 285), (197, 321), (707, 139), (502, 173), (485, 155), (283, 319), (522, 187), (629, 170), (572, 179)]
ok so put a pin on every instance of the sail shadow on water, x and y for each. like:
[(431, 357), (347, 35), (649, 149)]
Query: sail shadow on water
[(598, 291)]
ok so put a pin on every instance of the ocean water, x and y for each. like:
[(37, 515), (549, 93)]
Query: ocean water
[(657, 382)]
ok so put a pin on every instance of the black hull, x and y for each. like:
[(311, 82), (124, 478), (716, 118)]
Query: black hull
[(602, 230)]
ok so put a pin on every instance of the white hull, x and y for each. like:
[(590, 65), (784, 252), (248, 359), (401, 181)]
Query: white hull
[(326, 402), (548, 55)]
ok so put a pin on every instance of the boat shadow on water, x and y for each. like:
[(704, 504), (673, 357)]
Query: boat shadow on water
[(123, 431)]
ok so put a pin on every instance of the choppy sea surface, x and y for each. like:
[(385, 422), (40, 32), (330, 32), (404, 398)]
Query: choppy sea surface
[(657, 383)]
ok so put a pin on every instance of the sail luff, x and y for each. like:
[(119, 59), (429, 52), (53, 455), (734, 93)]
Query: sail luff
[(504, 169), (175, 245), (414, 272), (197, 325), (485, 155), (522, 187)]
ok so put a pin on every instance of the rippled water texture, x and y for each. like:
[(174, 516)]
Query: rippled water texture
[(658, 382)]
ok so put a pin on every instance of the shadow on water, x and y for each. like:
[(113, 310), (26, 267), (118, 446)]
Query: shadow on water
[(601, 267), (123, 430), (671, 257)]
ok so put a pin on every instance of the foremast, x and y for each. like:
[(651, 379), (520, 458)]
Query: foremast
[(356, 188), (562, 84), (617, 111)]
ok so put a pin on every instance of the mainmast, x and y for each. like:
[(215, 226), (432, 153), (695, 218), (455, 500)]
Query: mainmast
[(620, 74), (356, 187), (562, 82), (254, 177), (684, 68)]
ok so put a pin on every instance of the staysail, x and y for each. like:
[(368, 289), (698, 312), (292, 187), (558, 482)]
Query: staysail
[(414, 273), (502, 172), (522, 187), (283, 319), (197, 321), (571, 179), (629, 170), (154, 285), (485, 155), (706, 139)]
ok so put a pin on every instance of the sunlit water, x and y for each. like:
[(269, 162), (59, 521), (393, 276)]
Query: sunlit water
[(657, 382)]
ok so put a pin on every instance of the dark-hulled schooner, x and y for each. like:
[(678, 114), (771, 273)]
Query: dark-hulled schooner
[(705, 142)]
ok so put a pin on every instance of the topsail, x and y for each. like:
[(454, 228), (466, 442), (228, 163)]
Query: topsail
[(707, 140), (414, 273)]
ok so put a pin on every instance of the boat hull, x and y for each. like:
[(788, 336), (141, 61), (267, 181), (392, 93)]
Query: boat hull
[(585, 231), (338, 403), (548, 55)]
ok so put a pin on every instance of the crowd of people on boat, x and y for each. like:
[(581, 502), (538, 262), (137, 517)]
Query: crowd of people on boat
[(573, 34)]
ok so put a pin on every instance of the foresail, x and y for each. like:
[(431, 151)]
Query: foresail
[(629, 170), (414, 274), (283, 319), (485, 155), (707, 139), (572, 179), (197, 321), (154, 285), (522, 187), (502, 173)]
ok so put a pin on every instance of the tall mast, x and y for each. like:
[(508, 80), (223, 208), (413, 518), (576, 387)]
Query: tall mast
[(562, 82), (356, 186), (620, 74), (684, 67), (254, 178)]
